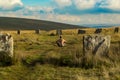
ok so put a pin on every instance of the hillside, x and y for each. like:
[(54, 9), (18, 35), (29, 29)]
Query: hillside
[(7, 23)]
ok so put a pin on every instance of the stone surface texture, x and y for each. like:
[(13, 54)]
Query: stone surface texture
[(6, 44), (96, 44)]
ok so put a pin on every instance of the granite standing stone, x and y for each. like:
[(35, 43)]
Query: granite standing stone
[(37, 31), (6, 44), (98, 31), (81, 31), (116, 30), (58, 32), (18, 32), (96, 44)]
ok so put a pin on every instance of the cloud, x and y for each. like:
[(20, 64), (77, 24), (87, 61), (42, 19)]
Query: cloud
[(39, 8), (34, 14), (79, 4), (10, 4), (104, 4), (66, 11), (63, 3), (66, 18), (110, 4), (35, 10), (100, 18), (85, 4)]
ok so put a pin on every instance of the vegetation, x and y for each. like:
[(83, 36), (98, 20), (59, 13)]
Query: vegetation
[(5, 60), (37, 57)]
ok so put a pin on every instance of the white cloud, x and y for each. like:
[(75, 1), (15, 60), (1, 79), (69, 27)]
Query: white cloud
[(38, 8), (111, 4), (50, 15), (66, 18), (85, 4), (63, 3), (80, 4), (88, 4), (10, 4), (100, 19)]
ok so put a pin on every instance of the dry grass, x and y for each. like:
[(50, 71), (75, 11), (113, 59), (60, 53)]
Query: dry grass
[(45, 61)]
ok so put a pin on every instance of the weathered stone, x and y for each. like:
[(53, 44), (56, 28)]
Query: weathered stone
[(37, 31), (58, 32), (116, 30), (98, 31), (18, 32), (6, 44), (81, 31), (96, 44)]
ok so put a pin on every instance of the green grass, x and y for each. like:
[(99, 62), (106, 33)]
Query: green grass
[(37, 57)]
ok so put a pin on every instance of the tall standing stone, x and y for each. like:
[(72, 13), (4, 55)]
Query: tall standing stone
[(81, 31), (37, 31), (18, 32), (58, 32), (116, 30), (96, 44), (6, 44), (98, 31)]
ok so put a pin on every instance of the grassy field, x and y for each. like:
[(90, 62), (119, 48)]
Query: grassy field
[(37, 57)]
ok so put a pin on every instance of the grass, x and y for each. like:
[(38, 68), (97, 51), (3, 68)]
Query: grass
[(37, 57)]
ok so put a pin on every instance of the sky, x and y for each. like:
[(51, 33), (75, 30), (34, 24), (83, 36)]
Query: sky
[(65, 11)]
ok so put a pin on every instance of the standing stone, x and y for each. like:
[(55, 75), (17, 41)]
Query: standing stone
[(37, 31), (98, 31), (96, 44), (58, 32), (6, 44), (116, 30), (81, 31), (18, 32)]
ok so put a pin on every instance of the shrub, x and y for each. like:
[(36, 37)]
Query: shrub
[(30, 60), (5, 59), (52, 34), (66, 60)]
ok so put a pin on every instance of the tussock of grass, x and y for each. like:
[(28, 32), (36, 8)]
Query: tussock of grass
[(5, 59)]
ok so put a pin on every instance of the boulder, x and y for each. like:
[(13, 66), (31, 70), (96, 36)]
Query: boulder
[(18, 32), (81, 31), (116, 30), (98, 31), (96, 44), (37, 31), (6, 44)]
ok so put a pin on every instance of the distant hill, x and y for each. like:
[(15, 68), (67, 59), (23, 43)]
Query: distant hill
[(101, 25), (8, 23)]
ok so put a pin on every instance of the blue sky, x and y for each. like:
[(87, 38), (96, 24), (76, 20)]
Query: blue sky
[(66, 11), (36, 2)]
